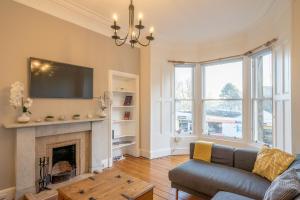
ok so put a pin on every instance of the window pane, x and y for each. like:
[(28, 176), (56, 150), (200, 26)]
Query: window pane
[(262, 85), (223, 118), (263, 77), (184, 117), (262, 119), (223, 80), (184, 82)]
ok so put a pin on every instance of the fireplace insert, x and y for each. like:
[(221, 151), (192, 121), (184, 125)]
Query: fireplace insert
[(63, 163)]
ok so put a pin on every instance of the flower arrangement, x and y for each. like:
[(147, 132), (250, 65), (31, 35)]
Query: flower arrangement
[(17, 99)]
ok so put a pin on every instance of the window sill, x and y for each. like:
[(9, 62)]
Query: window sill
[(226, 140)]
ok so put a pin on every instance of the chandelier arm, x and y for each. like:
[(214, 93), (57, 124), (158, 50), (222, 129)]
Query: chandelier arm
[(144, 45), (139, 34), (123, 41)]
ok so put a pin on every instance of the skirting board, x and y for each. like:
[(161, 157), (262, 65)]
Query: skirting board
[(155, 154), (180, 151), (164, 152), (8, 194)]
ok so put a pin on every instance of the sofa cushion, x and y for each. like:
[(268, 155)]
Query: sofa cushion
[(245, 159), (229, 196), (284, 187), (210, 178), (220, 154), (271, 162)]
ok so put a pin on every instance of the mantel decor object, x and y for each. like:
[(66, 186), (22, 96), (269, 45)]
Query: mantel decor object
[(17, 100)]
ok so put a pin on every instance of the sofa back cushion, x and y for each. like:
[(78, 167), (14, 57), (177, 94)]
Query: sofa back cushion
[(220, 154), (245, 159)]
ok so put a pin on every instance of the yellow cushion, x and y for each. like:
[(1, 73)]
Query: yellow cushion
[(272, 162), (202, 151)]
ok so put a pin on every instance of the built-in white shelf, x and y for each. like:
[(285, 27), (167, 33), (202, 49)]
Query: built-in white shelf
[(119, 146), (122, 85), (122, 136)]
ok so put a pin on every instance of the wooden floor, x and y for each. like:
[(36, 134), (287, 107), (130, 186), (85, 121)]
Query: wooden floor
[(156, 172)]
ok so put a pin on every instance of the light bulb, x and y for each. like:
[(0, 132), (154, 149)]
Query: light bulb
[(151, 29), (115, 17), (141, 16), (133, 34)]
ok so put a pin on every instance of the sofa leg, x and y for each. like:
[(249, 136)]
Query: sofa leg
[(177, 194)]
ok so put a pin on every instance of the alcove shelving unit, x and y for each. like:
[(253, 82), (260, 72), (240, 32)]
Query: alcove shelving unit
[(124, 115)]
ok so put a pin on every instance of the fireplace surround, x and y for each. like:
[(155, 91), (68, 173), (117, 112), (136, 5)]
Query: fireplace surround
[(28, 149)]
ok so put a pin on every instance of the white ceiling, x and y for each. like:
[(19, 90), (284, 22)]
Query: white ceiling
[(185, 20)]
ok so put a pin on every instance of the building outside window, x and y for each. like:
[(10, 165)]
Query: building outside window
[(184, 99)]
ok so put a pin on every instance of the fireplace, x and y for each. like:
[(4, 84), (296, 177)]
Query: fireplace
[(63, 163)]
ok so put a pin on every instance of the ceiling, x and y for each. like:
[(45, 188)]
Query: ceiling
[(185, 20)]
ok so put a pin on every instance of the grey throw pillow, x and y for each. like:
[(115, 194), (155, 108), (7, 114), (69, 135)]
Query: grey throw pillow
[(284, 187)]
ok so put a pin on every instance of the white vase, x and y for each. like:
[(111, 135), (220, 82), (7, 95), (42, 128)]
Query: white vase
[(24, 118), (101, 114)]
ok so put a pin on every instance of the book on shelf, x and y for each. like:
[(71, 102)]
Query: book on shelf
[(128, 100), (126, 115)]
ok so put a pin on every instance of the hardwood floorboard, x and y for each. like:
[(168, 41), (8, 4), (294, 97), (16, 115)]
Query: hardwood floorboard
[(156, 172)]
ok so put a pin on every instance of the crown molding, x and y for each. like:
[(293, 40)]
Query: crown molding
[(72, 12)]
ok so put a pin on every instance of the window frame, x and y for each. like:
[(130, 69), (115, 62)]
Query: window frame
[(203, 99), (193, 67), (253, 99)]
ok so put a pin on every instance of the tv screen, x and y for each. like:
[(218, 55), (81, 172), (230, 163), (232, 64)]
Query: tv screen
[(49, 79)]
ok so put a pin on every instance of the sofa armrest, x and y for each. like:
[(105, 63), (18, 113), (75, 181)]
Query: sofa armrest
[(192, 146)]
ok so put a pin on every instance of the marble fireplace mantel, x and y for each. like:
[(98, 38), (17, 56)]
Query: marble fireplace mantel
[(26, 135)]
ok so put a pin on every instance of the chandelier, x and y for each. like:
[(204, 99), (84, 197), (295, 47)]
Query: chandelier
[(134, 32)]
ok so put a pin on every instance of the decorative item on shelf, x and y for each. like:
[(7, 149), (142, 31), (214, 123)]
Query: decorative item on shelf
[(102, 106), (49, 118), (89, 116), (76, 117), (62, 118), (126, 115), (132, 35), (38, 120), (17, 100), (128, 100), (45, 177), (103, 102)]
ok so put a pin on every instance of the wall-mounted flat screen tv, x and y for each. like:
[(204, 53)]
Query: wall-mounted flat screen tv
[(50, 79)]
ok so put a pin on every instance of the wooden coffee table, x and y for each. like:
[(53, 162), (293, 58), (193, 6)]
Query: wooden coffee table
[(109, 185)]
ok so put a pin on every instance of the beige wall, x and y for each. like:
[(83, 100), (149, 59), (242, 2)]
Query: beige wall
[(26, 32), (295, 77)]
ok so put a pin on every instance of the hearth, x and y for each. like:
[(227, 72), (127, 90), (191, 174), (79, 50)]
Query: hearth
[(63, 163)]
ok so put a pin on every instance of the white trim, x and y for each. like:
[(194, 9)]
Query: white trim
[(72, 12), (180, 151), (8, 193), (156, 153), (160, 153)]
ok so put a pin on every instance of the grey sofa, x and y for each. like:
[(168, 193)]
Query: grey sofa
[(228, 177)]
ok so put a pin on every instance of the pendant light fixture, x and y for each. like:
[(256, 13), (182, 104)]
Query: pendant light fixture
[(134, 31)]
